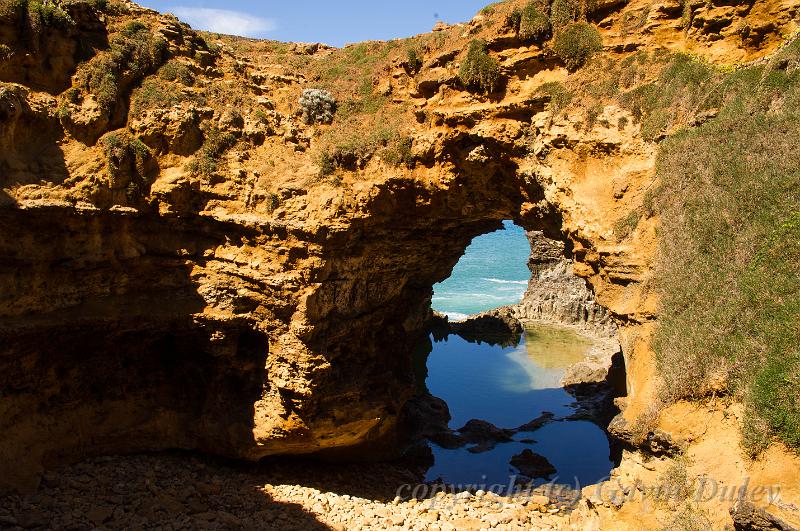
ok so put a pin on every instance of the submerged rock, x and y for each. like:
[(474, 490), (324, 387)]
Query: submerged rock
[(484, 435), (537, 423), (532, 464)]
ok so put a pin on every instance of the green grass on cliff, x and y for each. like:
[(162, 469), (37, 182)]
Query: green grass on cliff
[(729, 267)]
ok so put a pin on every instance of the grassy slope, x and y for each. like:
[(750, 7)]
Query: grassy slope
[(729, 267)]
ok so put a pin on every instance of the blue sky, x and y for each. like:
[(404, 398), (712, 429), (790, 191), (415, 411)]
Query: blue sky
[(333, 22)]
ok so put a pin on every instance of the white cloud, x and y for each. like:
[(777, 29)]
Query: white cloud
[(224, 21)]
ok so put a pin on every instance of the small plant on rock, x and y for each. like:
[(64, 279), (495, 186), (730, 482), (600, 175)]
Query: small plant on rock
[(413, 60), (577, 43), (215, 144), (479, 71), (129, 163), (318, 106), (534, 25), (176, 71)]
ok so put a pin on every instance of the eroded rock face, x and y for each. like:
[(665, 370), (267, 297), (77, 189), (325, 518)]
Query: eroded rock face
[(556, 294)]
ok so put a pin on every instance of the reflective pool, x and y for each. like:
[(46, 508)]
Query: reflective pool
[(509, 387)]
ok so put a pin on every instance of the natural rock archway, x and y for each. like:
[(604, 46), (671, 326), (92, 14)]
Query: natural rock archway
[(133, 331)]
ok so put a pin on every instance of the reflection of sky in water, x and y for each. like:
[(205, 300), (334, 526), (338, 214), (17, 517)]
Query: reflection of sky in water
[(509, 387), (543, 357)]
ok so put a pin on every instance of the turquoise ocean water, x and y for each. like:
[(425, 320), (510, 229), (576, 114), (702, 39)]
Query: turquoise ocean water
[(493, 272)]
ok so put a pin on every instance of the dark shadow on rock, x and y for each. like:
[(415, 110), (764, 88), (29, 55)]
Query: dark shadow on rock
[(114, 353), (29, 142), (655, 442), (6, 200), (47, 59), (379, 481), (594, 401), (747, 517)]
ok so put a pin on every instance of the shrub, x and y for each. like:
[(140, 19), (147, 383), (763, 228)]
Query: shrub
[(680, 91), (134, 53), (47, 14), (513, 19), (318, 106), (479, 71), (327, 164), (399, 152), (534, 25), (577, 43), (127, 160), (215, 144), (34, 16), (153, 94), (413, 60), (559, 95), (353, 149), (564, 12), (592, 113), (177, 71)]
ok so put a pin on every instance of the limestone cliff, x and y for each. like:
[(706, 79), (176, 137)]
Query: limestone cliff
[(187, 263)]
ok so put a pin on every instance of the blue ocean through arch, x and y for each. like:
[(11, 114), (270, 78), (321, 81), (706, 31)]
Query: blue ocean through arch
[(493, 272)]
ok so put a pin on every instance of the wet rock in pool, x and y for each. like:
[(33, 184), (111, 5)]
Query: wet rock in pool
[(425, 416), (532, 464), (495, 327), (448, 439), (537, 423), (484, 435)]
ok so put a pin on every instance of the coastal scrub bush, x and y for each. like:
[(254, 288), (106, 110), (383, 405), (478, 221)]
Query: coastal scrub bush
[(513, 19), (176, 71), (215, 144), (534, 25), (577, 43), (352, 149), (318, 106), (134, 53), (479, 71), (413, 60), (564, 12), (399, 152), (153, 94), (128, 161), (683, 87), (560, 97), (33, 16)]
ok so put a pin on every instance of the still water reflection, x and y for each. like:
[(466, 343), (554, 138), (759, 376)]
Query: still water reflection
[(510, 386)]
